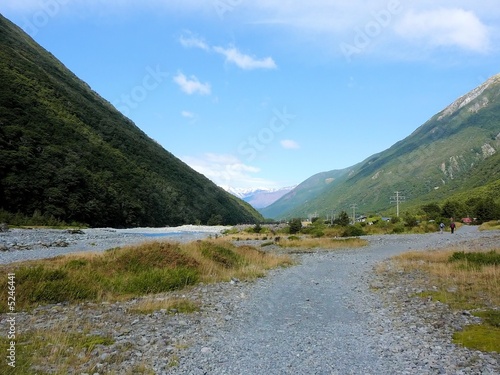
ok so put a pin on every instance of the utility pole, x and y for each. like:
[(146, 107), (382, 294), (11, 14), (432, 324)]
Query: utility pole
[(354, 206), (398, 198)]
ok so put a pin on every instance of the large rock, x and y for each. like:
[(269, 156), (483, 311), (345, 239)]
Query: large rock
[(4, 227)]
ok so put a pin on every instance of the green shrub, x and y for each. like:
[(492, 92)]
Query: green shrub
[(159, 280), (295, 225), (221, 255), (478, 259), (353, 231)]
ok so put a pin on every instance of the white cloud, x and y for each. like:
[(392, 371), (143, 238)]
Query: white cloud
[(192, 85), (233, 55), (227, 170), (188, 114), (189, 40), (445, 28), (289, 144)]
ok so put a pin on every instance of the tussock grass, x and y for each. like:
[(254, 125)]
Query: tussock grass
[(490, 225), (465, 280), (124, 273), (60, 351)]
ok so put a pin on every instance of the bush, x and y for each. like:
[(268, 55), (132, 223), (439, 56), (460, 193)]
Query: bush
[(353, 231), (221, 255), (481, 259), (295, 225)]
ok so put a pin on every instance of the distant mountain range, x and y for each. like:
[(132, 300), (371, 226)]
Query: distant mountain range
[(455, 153), (259, 197), (66, 153)]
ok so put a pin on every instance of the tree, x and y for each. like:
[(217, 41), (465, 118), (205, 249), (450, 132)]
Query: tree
[(432, 210), (295, 225), (343, 219), (453, 209), (410, 220)]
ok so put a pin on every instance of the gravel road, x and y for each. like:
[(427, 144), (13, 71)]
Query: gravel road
[(321, 318)]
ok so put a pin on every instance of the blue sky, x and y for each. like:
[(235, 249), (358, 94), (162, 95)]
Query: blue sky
[(268, 93)]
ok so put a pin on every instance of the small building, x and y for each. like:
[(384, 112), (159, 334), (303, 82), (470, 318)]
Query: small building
[(467, 220)]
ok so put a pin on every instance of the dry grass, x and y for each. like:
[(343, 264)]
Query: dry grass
[(466, 279), (64, 349), (460, 283), (490, 225), (126, 273)]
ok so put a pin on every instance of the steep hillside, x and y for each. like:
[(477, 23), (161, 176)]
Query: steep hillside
[(67, 153), (455, 151)]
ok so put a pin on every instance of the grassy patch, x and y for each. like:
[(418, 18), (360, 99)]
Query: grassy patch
[(171, 306), (476, 259), (479, 337), (117, 274), (465, 280), (66, 352), (490, 225)]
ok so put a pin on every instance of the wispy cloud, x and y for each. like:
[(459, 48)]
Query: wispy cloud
[(246, 62), (187, 114), (445, 28), (232, 54), (189, 40), (227, 170), (192, 85), (289, 144)]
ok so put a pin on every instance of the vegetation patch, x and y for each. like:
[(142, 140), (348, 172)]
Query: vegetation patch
[(464, 280), (66, 352), (479, 337), (171, 306), (476, 259), (133, 271), (223, 255)]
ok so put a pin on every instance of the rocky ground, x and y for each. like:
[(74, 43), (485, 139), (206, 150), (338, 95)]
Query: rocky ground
[(27, 244), (332, 314)]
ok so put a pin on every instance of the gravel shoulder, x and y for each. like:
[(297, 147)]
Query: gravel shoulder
[(322, 316)]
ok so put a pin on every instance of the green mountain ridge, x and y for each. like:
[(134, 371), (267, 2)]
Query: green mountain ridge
[(456, 151), (67, 153)]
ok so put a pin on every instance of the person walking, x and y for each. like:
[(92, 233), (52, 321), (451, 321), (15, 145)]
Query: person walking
[(452, 227), (441, 227)]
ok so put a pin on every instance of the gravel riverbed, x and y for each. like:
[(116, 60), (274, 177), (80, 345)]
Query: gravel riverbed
[(331, 314), (28, 244)]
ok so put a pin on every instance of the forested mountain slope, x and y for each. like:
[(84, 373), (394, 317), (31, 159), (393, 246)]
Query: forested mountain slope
[(67, 153)]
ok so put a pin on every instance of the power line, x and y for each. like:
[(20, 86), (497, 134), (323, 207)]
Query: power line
[(354, 206), (398, 198)]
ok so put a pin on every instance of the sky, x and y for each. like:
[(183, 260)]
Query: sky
[(267, 93)]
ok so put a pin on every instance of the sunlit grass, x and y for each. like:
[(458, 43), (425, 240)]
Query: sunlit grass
[(465, 279), (490, 225), (124, 273)]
